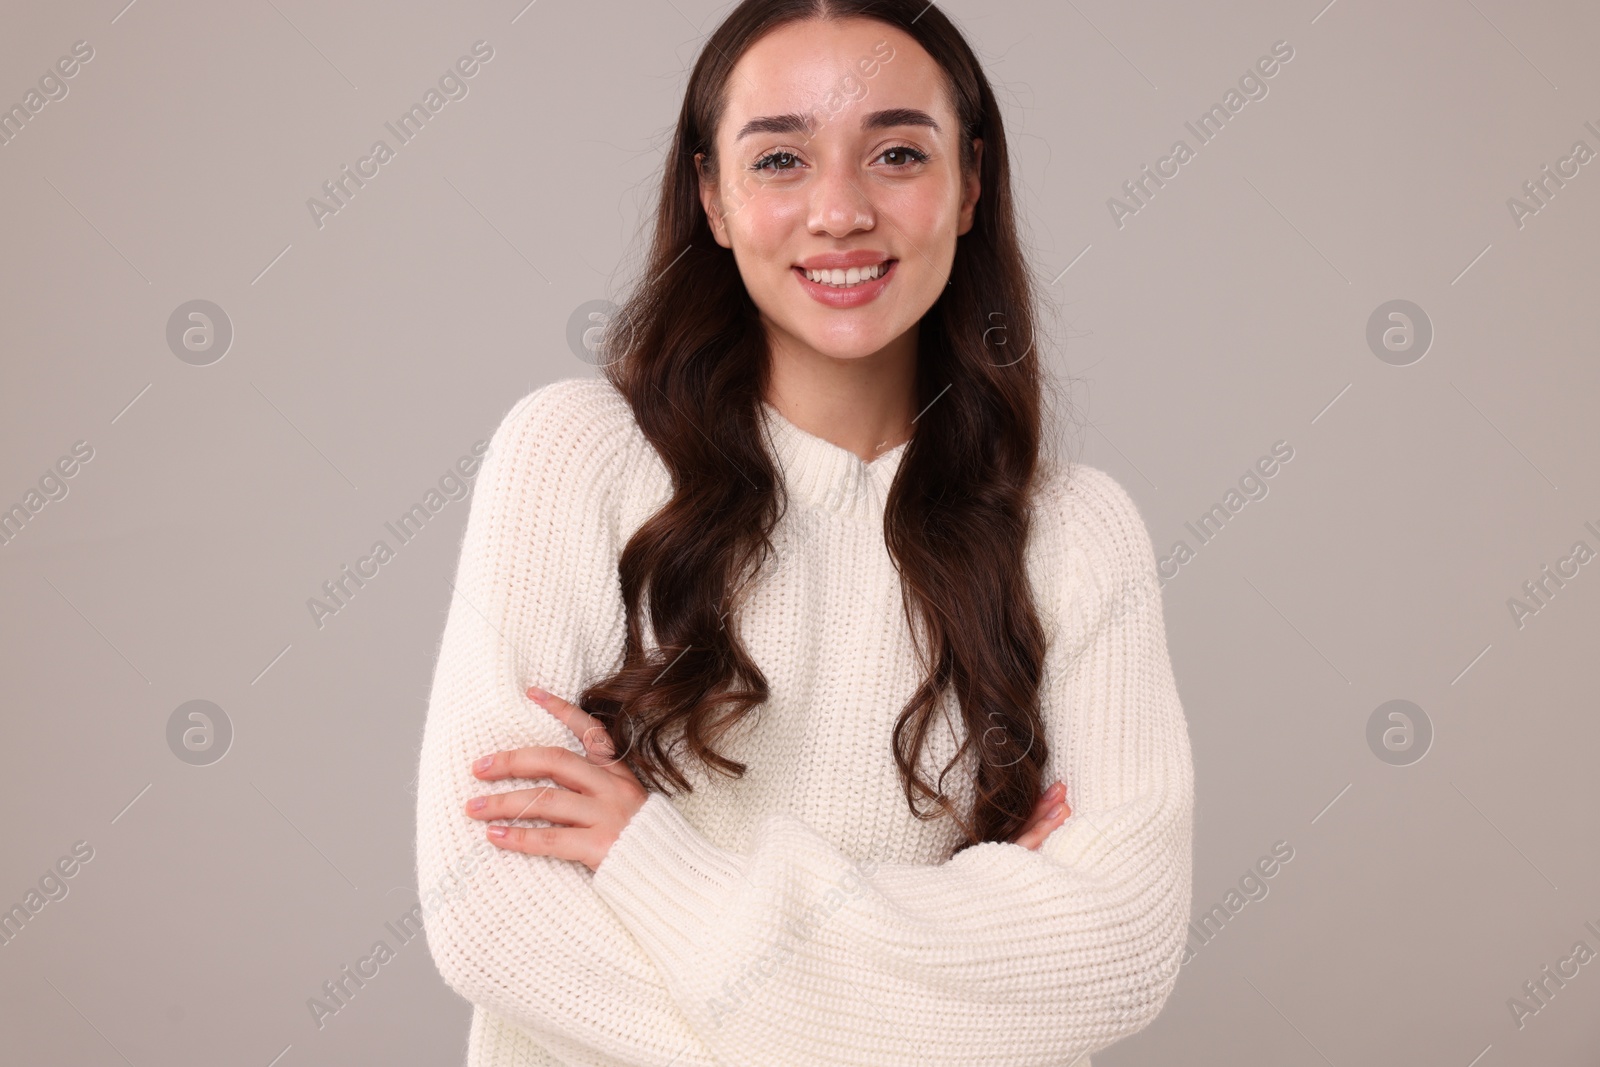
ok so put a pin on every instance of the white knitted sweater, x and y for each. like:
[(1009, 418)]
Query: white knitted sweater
[(800, 915)]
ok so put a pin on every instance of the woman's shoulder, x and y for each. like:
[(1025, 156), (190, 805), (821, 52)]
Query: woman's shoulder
[(1085, 499), (570, 411), (1091, 533), (577, 434), (1089, 500)]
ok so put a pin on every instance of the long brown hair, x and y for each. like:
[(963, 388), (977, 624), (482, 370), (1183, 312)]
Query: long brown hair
[(690, 355)]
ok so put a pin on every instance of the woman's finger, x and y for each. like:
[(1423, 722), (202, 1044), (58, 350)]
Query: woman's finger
[(1037, 832), (562, 842), (562, 765), (1050, 798), (597, 746), (1048, 814), (1046, 801), (548, 802)]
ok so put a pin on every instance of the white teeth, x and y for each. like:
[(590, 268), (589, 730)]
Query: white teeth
[(846, 278)]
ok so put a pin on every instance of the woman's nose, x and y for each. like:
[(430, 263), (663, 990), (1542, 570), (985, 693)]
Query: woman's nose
[(839, 205)]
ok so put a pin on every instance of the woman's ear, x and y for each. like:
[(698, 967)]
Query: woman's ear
[(969, 201), (711, 201)]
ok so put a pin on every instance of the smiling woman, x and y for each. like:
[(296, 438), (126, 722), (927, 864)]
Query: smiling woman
[(818, 712)]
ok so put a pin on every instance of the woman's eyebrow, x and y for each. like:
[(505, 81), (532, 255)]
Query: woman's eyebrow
[(873, 120)]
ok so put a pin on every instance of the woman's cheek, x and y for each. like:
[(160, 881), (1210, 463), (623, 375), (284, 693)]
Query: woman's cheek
[(925, 215)]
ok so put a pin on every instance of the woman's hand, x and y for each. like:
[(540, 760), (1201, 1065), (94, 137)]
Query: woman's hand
[(595, 794), (1051, 811)]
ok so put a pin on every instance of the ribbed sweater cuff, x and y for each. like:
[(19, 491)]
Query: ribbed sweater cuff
[(665, 880)]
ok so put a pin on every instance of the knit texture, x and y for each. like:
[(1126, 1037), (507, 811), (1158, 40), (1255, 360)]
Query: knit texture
[(800, 915)]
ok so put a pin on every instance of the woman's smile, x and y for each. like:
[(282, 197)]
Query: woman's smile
[(846, 288)]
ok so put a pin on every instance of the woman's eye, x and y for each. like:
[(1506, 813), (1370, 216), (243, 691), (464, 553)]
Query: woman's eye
[(903, 158), (767, 161), (906, 153)]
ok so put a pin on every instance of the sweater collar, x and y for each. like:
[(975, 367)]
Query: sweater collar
[(819, 473)]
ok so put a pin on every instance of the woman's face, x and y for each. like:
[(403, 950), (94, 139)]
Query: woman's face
[(839, 149)]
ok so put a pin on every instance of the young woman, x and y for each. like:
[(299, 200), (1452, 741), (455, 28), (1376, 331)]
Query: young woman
[(766, 646)]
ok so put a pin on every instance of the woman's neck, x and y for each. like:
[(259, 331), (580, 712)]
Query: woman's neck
[(863, 404)]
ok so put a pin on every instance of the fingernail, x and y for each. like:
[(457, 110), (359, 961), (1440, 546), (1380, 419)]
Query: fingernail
[(497, 831), (1053, 812), (538, 694), (484, 764), (477, 803)]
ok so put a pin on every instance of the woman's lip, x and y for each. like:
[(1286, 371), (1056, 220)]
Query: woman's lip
[(855, 296)]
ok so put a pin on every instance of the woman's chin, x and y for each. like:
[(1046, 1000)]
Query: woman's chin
[(847, 353), (847, 344)]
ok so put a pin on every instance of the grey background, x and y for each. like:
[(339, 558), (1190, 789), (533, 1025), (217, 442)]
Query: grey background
[(368, 355)]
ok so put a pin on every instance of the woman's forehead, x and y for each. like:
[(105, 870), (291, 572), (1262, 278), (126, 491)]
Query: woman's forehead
[(848, 69)]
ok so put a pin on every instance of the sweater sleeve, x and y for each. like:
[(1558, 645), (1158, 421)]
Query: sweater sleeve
[(535, 601), (1001, 955)]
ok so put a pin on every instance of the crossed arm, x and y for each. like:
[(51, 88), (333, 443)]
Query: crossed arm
[(1004, 954)]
